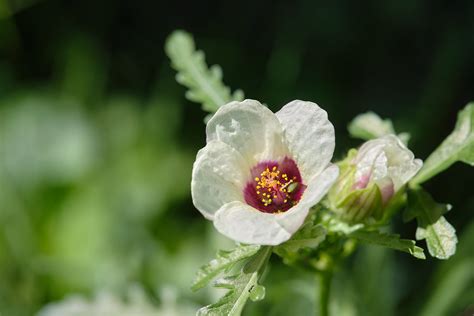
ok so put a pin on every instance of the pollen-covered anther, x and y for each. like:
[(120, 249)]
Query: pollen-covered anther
[(275, 188)]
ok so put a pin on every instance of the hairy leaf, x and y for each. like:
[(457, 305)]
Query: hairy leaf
[(204, 83), (224, 261), (439, 234), (309, 236), (458, 146), (392, 241), (240, 287)]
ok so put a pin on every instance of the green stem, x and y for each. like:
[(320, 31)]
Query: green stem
[(325, 279)]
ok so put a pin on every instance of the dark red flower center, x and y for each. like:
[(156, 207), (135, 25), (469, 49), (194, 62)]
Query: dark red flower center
[(274, 186)]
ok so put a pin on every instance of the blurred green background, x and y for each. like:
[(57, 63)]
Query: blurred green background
[(97, 143)]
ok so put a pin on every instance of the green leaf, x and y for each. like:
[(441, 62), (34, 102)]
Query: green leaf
[(224, 261), (392, 241), (458, 146), (439, 234), (308, 237), (369, 125), (240, 287), (452, 286), (204, 84)]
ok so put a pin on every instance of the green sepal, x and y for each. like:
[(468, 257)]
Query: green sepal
[(363, 205)]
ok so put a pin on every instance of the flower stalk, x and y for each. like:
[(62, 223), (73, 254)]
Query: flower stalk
[(325, 280)]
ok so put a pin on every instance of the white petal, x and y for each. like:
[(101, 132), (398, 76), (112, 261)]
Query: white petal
[(309, 135), (371, 160), (245, 224), (250, 128), (315, 191), (401, 161), (241, 222), (387, 156), (219, 175)]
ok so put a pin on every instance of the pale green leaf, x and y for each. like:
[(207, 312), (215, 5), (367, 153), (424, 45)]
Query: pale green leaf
[(392, 241), (240, 287), (369, 125), (224, 261), (452, 289), (458, 146), (306, 238), (204, 83), (439, 234)]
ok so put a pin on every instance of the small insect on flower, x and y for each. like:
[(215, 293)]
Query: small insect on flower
[(260, 172)]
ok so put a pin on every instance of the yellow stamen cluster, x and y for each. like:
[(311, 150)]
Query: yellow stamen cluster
[(270, 183)]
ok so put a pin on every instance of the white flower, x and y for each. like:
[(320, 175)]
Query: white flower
[(387, 162), (371, 176), (261, 172)]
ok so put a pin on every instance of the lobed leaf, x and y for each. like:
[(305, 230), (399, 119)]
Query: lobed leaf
[(440, 235), (204, 83), (224, 261), (240, 287), (392, 241), (458, 146)]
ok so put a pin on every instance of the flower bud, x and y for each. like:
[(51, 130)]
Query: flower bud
[(370, 178)]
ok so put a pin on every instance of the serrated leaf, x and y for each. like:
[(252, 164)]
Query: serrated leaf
[(458, 146), (392, 241), (240, 287), (204, 83), (439, 234), (224, 261)]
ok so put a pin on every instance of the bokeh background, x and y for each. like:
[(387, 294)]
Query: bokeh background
[(97, 143)]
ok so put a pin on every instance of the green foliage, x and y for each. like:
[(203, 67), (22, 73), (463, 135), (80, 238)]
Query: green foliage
[(310, 236), (369, 126), (458, 146), (372, 267), (452, 288), (240, 287), (439, 234), (225, 260), (204, 84), (392, 241)]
